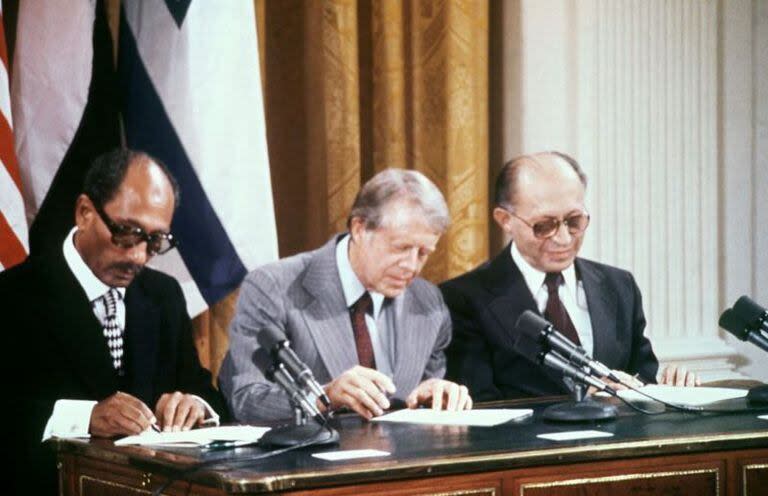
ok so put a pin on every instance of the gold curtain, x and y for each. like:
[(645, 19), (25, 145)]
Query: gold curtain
[(354, 86)]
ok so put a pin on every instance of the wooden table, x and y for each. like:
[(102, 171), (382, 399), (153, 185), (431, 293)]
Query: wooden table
[(669, 454)]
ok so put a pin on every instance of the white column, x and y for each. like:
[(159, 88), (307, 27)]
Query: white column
[(744, 160)]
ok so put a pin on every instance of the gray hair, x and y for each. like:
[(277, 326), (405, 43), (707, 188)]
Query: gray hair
[(506, 181), (392, 185)]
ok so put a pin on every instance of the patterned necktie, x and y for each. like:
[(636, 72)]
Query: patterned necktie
[(363, 343), (112, 331), (555, 311)]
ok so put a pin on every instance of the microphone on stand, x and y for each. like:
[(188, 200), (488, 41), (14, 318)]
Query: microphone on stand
[(579, 409), (755, 316), (279, 347), (748, 321), (542, 330), (278, 374)]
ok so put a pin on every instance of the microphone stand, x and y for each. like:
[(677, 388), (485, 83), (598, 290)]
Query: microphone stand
[(306, 429), (581, 408)]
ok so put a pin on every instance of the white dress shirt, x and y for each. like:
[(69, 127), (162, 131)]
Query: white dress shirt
[(378, 327), (571, 294)]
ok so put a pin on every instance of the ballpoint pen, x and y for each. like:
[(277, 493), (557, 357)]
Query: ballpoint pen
[(220, 445)]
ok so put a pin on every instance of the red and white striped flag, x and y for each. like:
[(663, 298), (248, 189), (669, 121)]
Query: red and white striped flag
[(13, 223)]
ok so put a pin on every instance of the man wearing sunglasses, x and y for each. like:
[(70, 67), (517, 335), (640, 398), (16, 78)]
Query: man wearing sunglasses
[(106, 345), (540, 206)]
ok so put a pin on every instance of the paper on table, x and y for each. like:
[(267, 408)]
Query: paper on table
[(571, 435), (481, 418), (691, 396), (764, 417), (244, 434), (333, 456)]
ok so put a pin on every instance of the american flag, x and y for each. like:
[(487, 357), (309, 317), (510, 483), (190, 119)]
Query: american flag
[(13, 224)]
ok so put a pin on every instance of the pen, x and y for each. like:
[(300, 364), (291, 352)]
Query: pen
[(155, 427), (219, 445)]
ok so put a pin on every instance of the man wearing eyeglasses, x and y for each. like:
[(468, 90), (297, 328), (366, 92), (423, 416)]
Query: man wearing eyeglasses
[(540, 206), (105, 343)]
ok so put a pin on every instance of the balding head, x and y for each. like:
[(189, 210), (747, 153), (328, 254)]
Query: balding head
[(508, 180)]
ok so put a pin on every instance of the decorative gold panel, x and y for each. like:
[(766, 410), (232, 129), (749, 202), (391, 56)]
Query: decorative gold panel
[(577, 486), (754, 477)]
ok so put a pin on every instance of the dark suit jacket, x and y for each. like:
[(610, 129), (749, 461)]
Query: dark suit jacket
[(486, 302), (57, 349)]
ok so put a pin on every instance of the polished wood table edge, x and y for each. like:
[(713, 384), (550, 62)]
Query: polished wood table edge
[(161, 461), (463, 464)]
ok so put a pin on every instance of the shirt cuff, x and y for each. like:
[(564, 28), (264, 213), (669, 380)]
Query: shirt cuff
[(211, 417), (70, 418)]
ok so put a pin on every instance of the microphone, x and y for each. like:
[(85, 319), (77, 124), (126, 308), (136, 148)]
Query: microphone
[(558, 362), (277, 373), (755, 316), (529, 348), (280, 348), (733, 322), (536, 327)]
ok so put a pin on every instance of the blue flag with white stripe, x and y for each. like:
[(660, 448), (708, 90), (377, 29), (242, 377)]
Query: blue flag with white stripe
[(191, 88)]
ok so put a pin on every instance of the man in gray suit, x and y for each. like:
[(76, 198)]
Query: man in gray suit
[(354, 311)]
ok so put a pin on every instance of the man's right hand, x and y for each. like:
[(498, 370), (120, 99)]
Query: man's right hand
[(361, 389), (120, 414)]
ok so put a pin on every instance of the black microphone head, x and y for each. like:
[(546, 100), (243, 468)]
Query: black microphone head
[(733, 323), (749, 311), (528, 347), (269, 337), (531, 324)]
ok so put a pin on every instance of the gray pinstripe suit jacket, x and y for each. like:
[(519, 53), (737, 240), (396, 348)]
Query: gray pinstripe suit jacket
[(302, 296)]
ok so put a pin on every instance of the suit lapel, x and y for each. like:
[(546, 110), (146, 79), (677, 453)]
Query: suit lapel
[(511, 295), (415, 331), (513, 298), (78, 331), (141, 342), (602, 309), (327, 317)]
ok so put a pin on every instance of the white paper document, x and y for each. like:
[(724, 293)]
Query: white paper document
[(334, 456), (240, 434), (764, 417), (572, 435), (690, 396), (480, 418)]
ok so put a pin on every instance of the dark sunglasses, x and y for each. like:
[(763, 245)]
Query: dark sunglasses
[(576, 223), (126, 236)]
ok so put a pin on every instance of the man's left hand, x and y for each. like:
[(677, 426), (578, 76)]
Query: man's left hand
[(441, 395), (179, 412), (672, 375)]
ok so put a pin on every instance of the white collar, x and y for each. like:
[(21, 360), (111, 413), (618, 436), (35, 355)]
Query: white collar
[(92, 285), (534, 278), (351, 286)]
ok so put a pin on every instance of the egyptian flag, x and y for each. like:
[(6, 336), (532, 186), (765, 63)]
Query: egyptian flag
[(191, 96), (64, 104)]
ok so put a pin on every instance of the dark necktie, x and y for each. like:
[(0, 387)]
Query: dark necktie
[(363, 343), (112, 331), (555, 311)]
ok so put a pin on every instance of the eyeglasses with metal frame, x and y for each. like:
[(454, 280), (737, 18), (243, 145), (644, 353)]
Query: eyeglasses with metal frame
[(543, 229), (127, 236)]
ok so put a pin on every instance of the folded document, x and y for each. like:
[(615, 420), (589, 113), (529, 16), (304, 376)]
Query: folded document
[(689, 396), (240, 434), (481, 418)]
